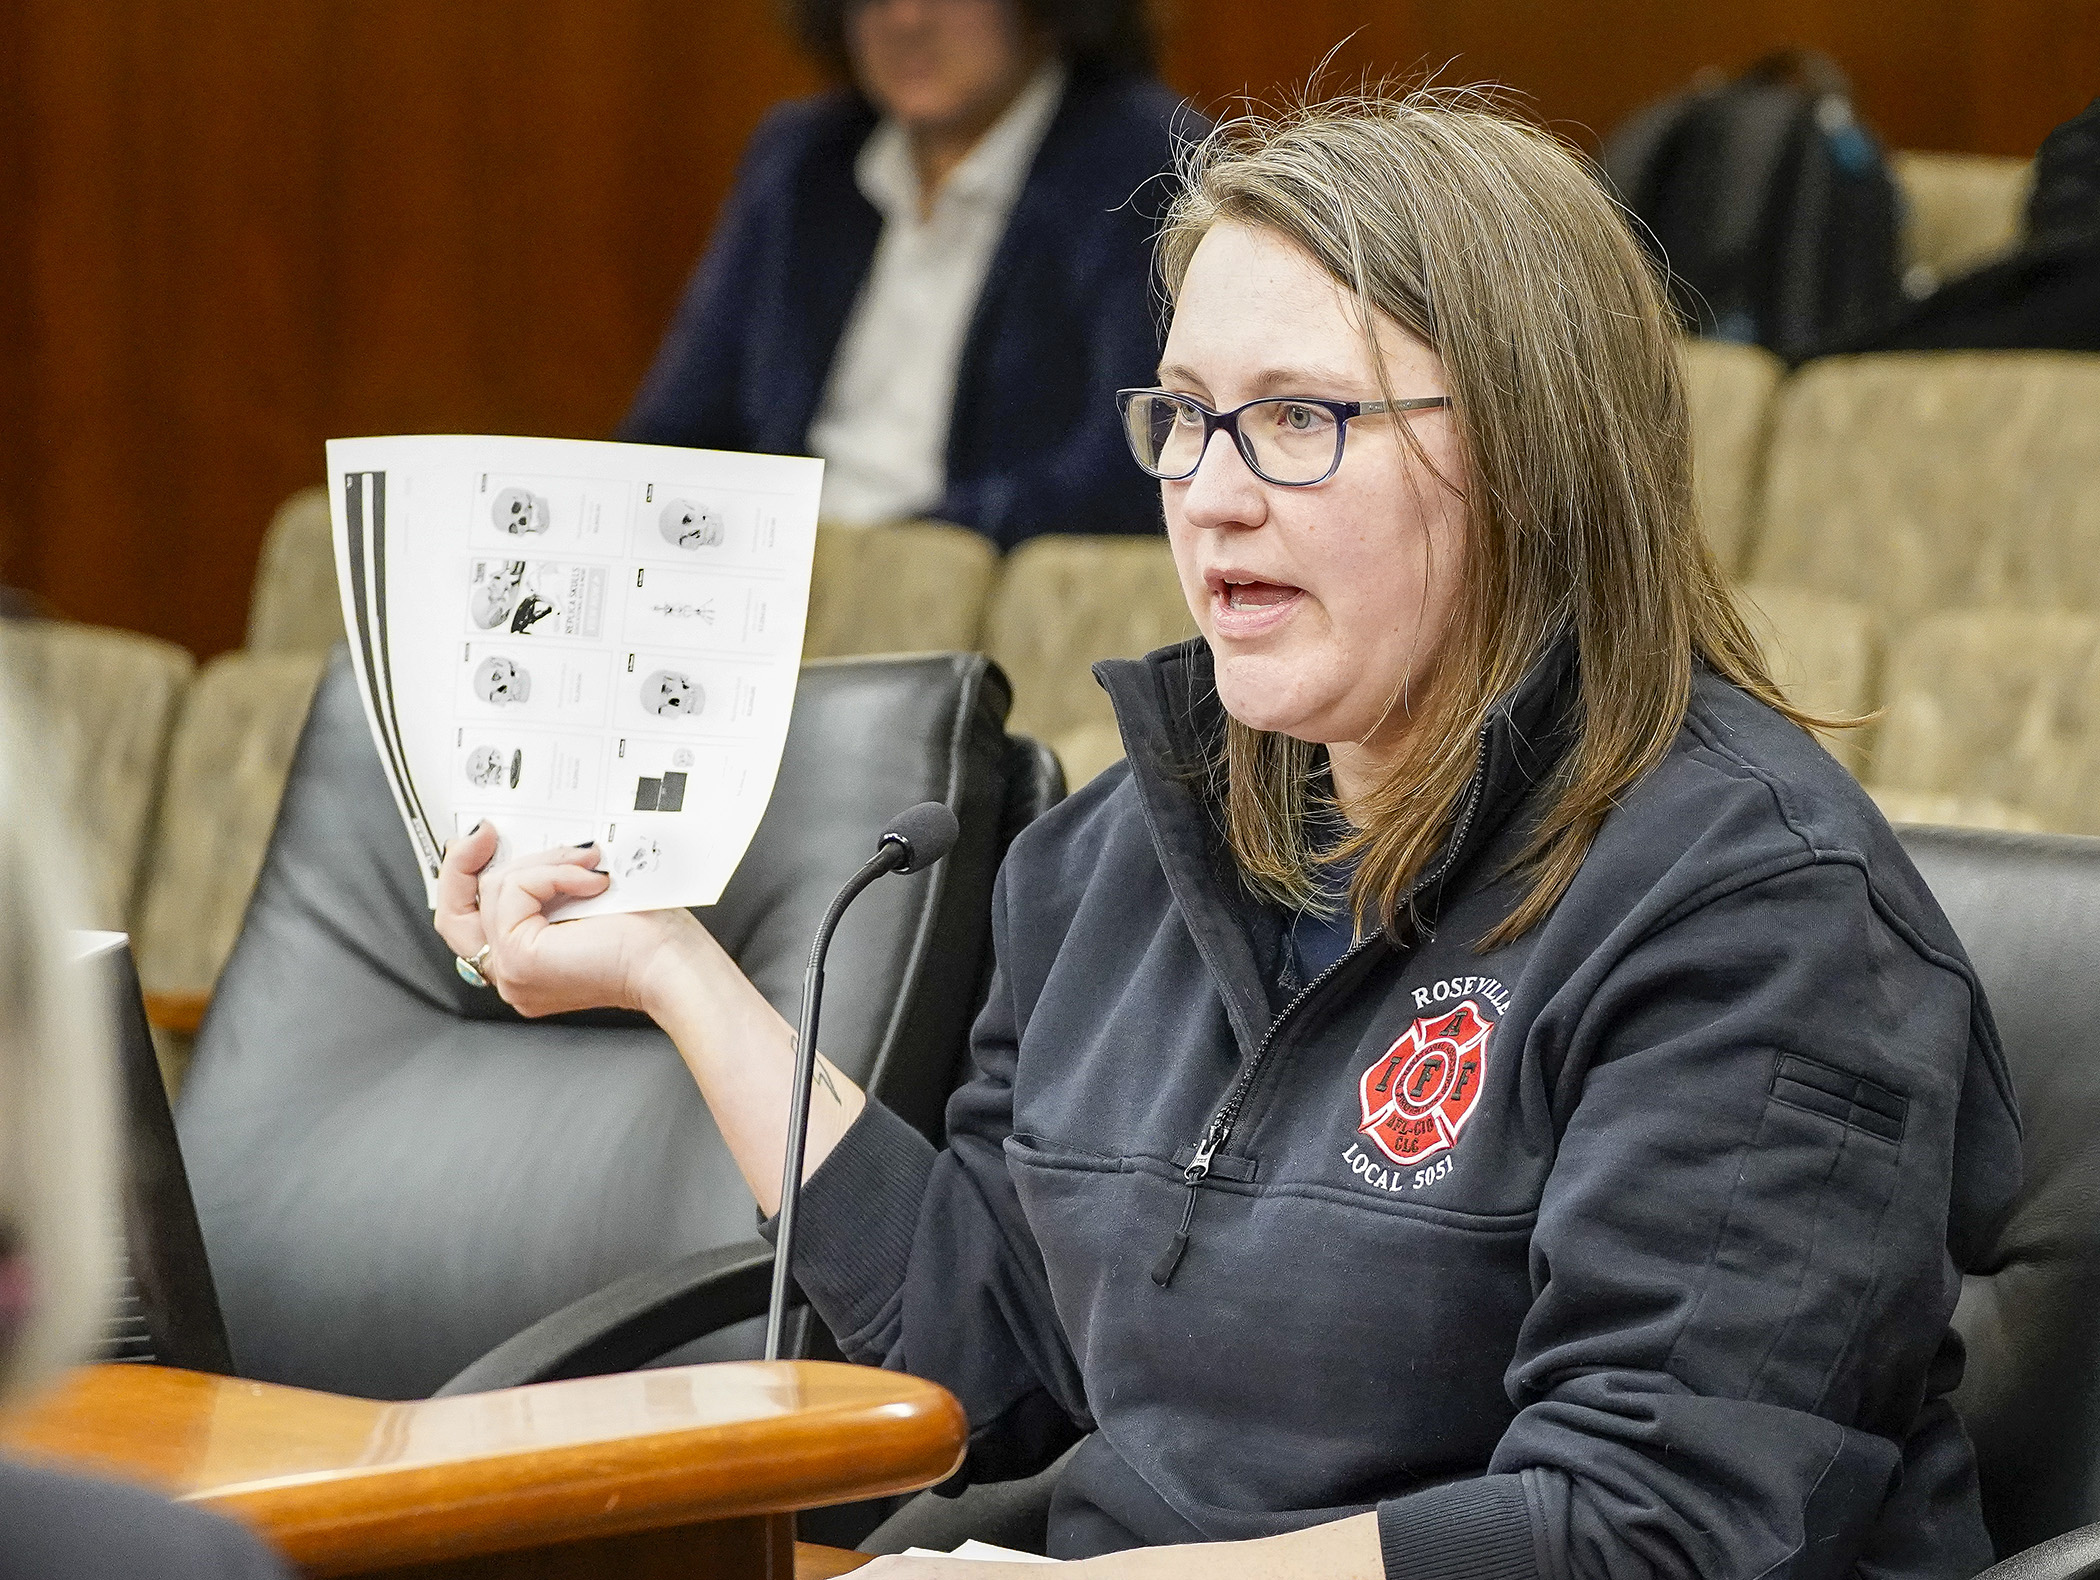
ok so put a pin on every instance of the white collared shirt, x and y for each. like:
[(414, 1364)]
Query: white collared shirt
[(883, 426)]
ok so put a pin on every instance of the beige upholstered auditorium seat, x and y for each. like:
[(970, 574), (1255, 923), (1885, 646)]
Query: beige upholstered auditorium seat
[(1063, 603), (1729, 389), (1821, 651), (1919, 481), (294, 607), (1959, 211), (231, 754), (916, 587), (98, 706), (1953, 811), (1997, 714)]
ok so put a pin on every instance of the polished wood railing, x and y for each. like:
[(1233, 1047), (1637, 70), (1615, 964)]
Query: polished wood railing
[(689, 1471)]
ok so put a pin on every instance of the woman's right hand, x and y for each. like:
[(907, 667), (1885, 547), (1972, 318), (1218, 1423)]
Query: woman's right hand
[(542, 966), (663, 963)]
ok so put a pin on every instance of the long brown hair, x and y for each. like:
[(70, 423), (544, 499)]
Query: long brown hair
[(1491, 241)]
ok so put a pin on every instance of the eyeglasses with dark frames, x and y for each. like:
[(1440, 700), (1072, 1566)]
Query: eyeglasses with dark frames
[(1293, 441)]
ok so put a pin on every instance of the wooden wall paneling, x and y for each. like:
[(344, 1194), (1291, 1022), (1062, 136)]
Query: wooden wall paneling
[(1221, 55), (1988, 75), (78, 254), (235, 231), (165, 274), (528, 189), (706, 81), (17, 318), (1584, 68), (520, 193), (403, 209), (227, 199), (548, 250), (1908, 68), (2035, 64)]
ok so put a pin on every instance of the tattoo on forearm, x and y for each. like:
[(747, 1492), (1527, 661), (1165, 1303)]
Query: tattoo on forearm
[(824, 1080)]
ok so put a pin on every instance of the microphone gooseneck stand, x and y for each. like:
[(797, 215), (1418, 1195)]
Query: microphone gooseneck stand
[(915, 840)]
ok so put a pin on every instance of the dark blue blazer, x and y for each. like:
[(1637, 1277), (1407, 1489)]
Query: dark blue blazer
[(1068, 314)]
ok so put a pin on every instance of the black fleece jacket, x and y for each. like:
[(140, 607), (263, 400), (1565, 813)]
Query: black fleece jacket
[(1627, 1249)]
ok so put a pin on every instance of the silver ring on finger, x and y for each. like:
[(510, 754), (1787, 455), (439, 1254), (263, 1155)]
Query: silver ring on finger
[(471, 969)]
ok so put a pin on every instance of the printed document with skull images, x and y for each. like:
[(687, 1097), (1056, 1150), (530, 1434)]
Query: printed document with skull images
[(578, 641)]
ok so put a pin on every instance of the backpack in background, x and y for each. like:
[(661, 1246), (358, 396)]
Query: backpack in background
[(1770, 204)]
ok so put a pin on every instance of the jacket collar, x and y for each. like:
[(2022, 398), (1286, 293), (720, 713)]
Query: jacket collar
[(1173, 725)]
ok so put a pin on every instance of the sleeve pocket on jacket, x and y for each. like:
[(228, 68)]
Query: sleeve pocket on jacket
[(1795, 1262), (1867, 1106)]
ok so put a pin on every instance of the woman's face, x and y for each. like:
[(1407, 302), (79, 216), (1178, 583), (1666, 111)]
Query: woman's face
[(1320, 604), (939, 65)]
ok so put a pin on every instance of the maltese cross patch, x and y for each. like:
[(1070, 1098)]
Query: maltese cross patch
[(1419, 1094)]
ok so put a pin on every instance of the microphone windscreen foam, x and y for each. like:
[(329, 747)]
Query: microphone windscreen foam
[(927, 832)]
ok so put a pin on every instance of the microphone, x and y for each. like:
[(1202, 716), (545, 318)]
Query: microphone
[(923, 834), (915, 840)]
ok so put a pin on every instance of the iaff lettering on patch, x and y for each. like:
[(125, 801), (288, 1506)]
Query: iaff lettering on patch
[(1418, 1096)]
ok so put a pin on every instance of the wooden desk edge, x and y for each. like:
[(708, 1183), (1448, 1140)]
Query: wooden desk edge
[(880, 1433), (425, 1514)]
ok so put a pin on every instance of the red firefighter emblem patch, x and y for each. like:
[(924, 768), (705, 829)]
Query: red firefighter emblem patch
[(1418, 1096)]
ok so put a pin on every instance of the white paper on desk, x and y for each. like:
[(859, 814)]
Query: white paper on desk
[(983, 1552), (578, 641)]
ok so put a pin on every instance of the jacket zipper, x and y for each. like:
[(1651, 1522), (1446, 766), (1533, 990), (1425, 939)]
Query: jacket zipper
[(1219, 1130)]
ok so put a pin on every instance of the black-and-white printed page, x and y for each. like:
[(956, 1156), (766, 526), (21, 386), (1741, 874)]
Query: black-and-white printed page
[(577, 641)]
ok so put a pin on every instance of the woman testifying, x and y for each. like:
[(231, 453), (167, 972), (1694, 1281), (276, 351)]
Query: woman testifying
[(1481, 1092)]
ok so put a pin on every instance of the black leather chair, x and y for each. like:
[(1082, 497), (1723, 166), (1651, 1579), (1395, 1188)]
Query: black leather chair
[(166, 1312), (396, 1173), (2027, 907)]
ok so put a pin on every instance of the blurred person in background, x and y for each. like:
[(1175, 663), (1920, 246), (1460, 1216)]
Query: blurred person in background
[(57, 1205), (936, 276), (2045, 294)]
